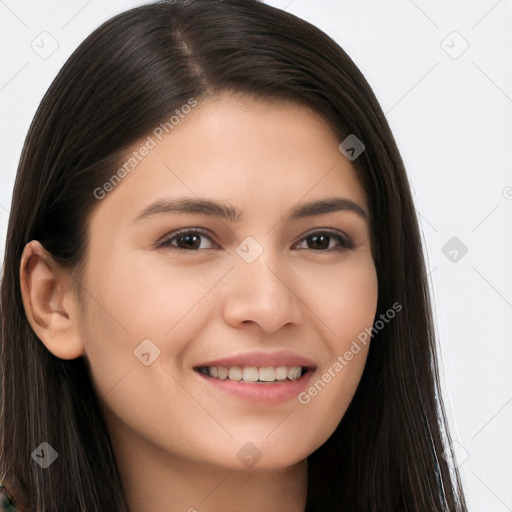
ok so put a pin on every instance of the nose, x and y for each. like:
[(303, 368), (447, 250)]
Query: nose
[(265, 293)]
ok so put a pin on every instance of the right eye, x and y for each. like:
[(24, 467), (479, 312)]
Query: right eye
[(187, 240)]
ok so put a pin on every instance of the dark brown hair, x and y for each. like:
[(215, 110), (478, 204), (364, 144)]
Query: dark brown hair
[(122, 81)]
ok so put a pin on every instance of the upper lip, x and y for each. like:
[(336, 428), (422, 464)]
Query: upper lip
[(262, 359)]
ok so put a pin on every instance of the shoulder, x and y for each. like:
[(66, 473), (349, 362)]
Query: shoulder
[(7, 501)]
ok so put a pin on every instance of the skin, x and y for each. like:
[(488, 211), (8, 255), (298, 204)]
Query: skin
[(175, 437)]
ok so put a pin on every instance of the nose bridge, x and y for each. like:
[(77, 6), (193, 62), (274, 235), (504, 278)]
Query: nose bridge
[(260, 290)]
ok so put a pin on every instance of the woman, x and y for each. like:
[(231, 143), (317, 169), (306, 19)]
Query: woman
[(214, 292)]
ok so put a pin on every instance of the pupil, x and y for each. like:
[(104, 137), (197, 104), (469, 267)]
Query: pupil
[(319, 242), (191, 241)]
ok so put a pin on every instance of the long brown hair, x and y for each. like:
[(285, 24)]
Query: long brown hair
[(390, 451)]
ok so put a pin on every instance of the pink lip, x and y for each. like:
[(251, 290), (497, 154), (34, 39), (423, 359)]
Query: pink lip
[(260, 359), (261, 393)]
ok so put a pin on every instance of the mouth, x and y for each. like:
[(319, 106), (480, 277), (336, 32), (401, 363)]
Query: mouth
[(254, 374), (258, 377)]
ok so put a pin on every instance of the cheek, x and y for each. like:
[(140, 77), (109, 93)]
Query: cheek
[(342, 297), (346, 303), (134, 300), (354, 294)]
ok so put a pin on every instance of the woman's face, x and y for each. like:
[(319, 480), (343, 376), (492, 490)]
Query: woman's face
[(239, 242)]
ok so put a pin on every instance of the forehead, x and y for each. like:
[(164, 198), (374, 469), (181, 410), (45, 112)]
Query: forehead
[(263, 156)]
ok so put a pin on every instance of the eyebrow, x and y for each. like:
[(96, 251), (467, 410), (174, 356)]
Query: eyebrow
[(225, 211)]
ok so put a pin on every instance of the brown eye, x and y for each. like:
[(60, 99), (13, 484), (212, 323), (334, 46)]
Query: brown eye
[(319, 242), (187, 241), (325, 241)]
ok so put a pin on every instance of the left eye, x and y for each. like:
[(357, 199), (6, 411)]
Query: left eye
[(325, 240)]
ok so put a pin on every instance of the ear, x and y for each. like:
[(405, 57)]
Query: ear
[(50, 303)]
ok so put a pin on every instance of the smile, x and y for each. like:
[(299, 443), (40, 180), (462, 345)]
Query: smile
[(264, 375), (263, 378)]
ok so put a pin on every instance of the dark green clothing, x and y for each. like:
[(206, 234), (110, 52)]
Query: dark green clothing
[(7, 501)]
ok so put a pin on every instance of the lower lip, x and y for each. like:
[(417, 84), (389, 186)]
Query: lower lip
[(263, 393)]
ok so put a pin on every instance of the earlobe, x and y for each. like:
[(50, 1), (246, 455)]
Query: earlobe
[(49, 301)]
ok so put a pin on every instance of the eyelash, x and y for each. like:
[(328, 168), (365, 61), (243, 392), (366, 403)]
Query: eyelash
[(344, 241)]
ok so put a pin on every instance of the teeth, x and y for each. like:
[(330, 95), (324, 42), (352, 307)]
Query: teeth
[(222, 373), (293, 372), (253, 373), (281, 373), (235, 373), (250, 374), (268, 374)]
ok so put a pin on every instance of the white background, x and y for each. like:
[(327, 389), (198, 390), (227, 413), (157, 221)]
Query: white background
[(452, 118)]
